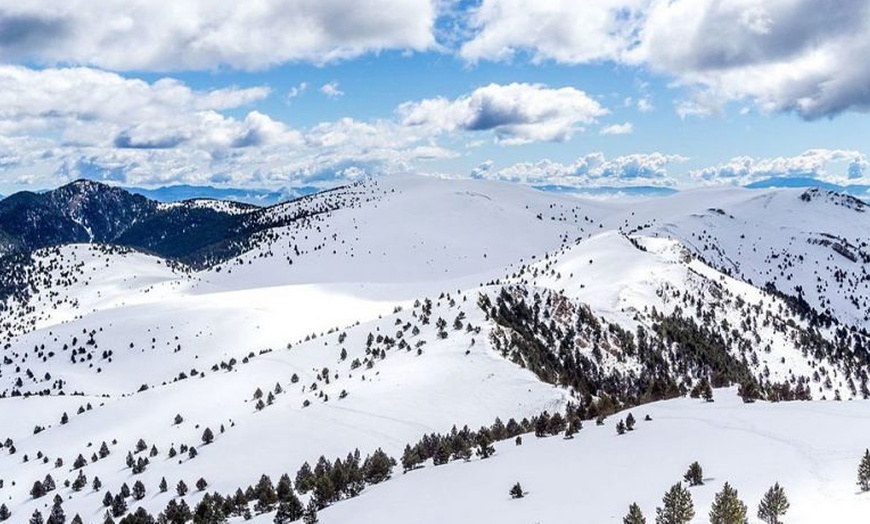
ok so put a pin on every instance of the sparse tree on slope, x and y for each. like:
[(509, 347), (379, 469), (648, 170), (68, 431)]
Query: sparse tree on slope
[(774, 504), (727, 507), (864, 472), (517, 491), (677, 506), (634, 516), (694, 475)]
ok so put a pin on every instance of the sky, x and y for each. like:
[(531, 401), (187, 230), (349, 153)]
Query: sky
[(289, 93)]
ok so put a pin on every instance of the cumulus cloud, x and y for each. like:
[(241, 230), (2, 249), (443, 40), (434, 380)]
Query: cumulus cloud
[(562, 30), (161, 35), (617, 129), (592, 170), (90, 107), (783, 55), (517, 113), (829, 165), (60, 124)]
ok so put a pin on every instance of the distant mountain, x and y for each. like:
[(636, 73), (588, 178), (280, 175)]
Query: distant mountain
[(82, 211), (609, 191), (857, 190), (197, 232), (259, 197)]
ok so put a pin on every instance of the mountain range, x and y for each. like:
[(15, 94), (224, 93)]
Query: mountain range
[(482, 334)]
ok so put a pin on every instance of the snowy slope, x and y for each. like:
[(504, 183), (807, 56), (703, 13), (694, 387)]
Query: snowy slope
[(812, 449), (141, 340)]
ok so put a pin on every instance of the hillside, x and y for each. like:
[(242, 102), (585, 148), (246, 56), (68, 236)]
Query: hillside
[(371, 315)]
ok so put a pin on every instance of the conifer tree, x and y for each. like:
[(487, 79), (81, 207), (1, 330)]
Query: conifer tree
[(309, 516), (677, 506), (774, 504), (410, 458), (694, 475), (442, 453), (57, 515), (484, 445), (36, 518), (629, 422), (517, 491), (38, 490), (181, 488), (207, 436), (163, 485), (620, 428), (138, 490), (727, 507), (284, 489), (4, 513), (634, 516), (864, 472), (289, 510), (97, 484), (201, 484), (76, 520)]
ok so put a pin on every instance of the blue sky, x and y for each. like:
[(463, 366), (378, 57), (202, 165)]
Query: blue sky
[(620, 93)]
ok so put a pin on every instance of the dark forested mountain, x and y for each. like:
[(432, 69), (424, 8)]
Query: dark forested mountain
[(197, 232)]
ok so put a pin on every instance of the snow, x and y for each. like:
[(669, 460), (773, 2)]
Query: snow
[(358, 265), (811, 448)]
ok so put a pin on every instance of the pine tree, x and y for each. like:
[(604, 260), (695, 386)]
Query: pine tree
[(97, 484), (694, 475), (76, 520), (119, 506), (36, 518), (484, 445), (864, 472), (201, 484), (4, 513), (774, 504), (38, 490), (289, 511), (620, 428), (138, 490), (181, 488), (442, 453), (163, 485), (517, 491), (629, 422), (265, 493), (57, 515), (284, 489), (677, 506), (727, 507), (309, 516), (378, 467), (207, 436), (410, 458), (634, 516)]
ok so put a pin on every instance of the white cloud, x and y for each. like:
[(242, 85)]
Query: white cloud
[(331, 90), (205, 34), (516, 113), (617, 129), (59, 124), (568, 31), (645, 105), (592, 170), (88, 107), (782, 55), (829, 165), (297, 90)]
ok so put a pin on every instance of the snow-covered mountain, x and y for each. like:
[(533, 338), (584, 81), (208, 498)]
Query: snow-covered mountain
[(374, 315)]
